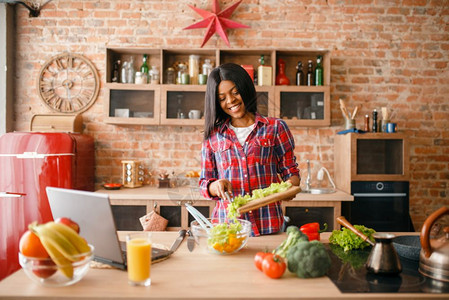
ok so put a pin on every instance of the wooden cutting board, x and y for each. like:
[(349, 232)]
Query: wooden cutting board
[(287, 195)]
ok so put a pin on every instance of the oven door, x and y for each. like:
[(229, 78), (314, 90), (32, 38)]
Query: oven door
[(383, 206)]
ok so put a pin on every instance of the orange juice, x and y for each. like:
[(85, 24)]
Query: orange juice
[(139, 260)]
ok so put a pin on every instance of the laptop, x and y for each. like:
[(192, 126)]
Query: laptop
[(92, 211)]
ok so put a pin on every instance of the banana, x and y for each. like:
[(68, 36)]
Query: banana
[(58, 258), (71, 235), (57, 240)]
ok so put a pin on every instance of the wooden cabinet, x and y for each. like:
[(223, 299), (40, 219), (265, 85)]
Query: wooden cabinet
[(170, 104), (370, 157), (128, 205)]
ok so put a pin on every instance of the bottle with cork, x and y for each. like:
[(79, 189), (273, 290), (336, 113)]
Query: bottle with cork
[(264, 73)]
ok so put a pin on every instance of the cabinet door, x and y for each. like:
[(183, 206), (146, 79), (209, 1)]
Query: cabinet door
[(132, 104), (302, 215), (303, 106), (183, 105), (172, 211), (127, 216)]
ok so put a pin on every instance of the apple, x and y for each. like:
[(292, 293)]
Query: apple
[(69, 222), (48, 269)]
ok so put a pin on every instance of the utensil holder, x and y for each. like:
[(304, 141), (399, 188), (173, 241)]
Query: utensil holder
[(349, 123)]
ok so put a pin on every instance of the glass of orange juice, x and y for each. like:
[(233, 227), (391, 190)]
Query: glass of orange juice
[(138, 253)]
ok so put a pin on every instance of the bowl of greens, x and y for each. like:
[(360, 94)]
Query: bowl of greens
[(224, 238)]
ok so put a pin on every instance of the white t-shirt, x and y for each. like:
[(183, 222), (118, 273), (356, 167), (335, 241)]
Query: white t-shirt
[(242, 132)]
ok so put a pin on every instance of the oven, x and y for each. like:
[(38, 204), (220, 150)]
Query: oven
[(381, 205)]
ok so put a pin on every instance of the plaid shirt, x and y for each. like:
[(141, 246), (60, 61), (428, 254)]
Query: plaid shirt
[(267, 153)]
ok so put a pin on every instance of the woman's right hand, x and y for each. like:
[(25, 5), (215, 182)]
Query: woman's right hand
[(219, 187)]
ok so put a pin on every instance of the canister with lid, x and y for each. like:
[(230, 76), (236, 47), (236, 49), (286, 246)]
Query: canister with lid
[(194, 67)]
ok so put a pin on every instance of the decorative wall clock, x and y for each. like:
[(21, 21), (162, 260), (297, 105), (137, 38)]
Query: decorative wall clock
[(68, 83)]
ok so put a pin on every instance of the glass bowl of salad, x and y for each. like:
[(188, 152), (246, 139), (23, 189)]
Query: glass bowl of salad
[(226, 237)]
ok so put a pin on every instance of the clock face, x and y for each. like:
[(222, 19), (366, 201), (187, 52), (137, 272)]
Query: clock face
[(68, 83)]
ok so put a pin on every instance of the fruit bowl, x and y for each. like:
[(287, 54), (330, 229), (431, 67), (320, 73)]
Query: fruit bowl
[(45, 272), (225, 238)]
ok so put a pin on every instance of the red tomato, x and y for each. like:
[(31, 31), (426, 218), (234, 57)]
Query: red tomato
[(258, 259), (273, 265)]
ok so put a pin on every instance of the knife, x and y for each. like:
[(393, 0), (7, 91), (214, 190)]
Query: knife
[(190, 241), (177, 242)]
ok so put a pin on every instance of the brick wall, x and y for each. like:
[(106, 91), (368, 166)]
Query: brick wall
[(391, 53)]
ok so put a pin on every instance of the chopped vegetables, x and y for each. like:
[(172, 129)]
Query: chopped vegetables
[(348, 240), (225, 237), (257, 193)]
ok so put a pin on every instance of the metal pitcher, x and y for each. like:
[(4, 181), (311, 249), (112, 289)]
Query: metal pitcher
[(383, 258)]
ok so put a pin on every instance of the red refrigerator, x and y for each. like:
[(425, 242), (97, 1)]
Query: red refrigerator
[(29, 162)]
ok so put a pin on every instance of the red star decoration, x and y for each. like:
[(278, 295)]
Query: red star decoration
[(216, 21)]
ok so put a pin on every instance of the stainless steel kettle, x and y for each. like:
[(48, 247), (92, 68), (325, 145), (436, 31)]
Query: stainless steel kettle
[(434, 256)]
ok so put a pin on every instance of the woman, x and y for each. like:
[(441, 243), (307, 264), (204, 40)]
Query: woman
[(242, 150)]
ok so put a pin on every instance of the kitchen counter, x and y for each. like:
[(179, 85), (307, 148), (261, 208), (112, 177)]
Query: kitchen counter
[(192, 193), (195, 275), (149, 197)]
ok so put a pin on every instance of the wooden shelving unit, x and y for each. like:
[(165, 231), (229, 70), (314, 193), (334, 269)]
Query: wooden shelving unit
[(370, 157), (161, 104)]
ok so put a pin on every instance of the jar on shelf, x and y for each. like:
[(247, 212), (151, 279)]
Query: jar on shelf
[(182, 74), (154, 75), (141, 78), (170, 76), (207, 67), (194, 67)]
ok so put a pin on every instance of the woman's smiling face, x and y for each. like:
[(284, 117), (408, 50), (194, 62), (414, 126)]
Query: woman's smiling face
[(230, 99)]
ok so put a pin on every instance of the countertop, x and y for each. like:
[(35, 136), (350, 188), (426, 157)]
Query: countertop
[(195, 275), (154, 193)]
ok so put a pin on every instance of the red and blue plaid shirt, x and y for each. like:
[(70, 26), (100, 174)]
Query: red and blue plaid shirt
[(267, 153)]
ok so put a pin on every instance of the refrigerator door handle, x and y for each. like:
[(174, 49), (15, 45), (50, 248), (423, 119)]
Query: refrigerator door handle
[(11, 195), (36, 155)]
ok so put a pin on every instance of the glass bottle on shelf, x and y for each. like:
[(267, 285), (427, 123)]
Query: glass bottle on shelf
[(319, 71), (131, 71), (144, 69), (154, 75), (207, 67), (298, 110), (115, 72), (170, 76), (310, 73), (194, 68), (299, 74), (281, 78), (180, 114), (183, 75), (124, 73), (263, 73)]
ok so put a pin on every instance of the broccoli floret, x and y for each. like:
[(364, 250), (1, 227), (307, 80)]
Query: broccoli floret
[(294, 236), (308, 260)]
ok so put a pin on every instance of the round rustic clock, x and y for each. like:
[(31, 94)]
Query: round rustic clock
[(68, 83)]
